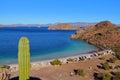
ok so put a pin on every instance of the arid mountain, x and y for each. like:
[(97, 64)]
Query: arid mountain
[(63, 26), (104, 34), (80, 24)]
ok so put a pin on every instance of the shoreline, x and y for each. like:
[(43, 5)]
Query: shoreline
[(46, 63), (38, 58), (62, 58)]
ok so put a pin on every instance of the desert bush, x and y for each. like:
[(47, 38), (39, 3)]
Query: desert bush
[(4, 66), (102, 57), (112, 60), (117, 76), (56, 62), (117, 55), (106, 66), (80, 72), (116, 49), (104, 76), (70, 60)]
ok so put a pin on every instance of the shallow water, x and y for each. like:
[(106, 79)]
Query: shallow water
[(44, 44)]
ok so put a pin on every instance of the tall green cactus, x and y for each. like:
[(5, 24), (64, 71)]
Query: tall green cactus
[(24, 59)]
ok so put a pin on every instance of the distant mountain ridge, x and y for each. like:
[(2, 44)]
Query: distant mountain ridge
[(39, 25), (79, 24), (29, 25)]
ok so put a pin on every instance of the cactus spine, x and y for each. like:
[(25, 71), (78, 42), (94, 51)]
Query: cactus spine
[(24, 59)]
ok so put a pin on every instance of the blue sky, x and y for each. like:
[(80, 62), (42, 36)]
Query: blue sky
[(52, 11)]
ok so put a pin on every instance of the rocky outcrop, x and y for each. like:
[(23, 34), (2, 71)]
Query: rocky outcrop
[(4, 74), (63, 26), (104, 34)]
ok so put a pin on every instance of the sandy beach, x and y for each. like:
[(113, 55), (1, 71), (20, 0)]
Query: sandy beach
[(63, 72), (46, 63)]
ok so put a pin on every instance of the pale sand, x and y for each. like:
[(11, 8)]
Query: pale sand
[(63, 72)]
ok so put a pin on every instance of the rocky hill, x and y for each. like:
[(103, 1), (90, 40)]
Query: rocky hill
[(103, 35), (63, 26)]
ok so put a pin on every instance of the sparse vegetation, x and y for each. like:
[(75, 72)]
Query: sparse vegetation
[(104, 76), (118, 55), (80, 72), (4, 66), (70, 60), (102, 57), (106, 66), (56, 62), (112, 60), (117, 76), (116, 49)]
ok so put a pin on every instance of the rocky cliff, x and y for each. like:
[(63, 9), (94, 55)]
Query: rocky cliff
[(63, 26), (104, 34)]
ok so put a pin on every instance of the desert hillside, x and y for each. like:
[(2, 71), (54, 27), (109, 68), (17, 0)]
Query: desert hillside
[(104, 34)]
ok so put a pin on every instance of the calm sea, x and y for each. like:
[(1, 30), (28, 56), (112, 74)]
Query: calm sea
[(44, 44)]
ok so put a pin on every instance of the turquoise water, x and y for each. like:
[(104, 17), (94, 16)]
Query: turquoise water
[(44, 44)]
